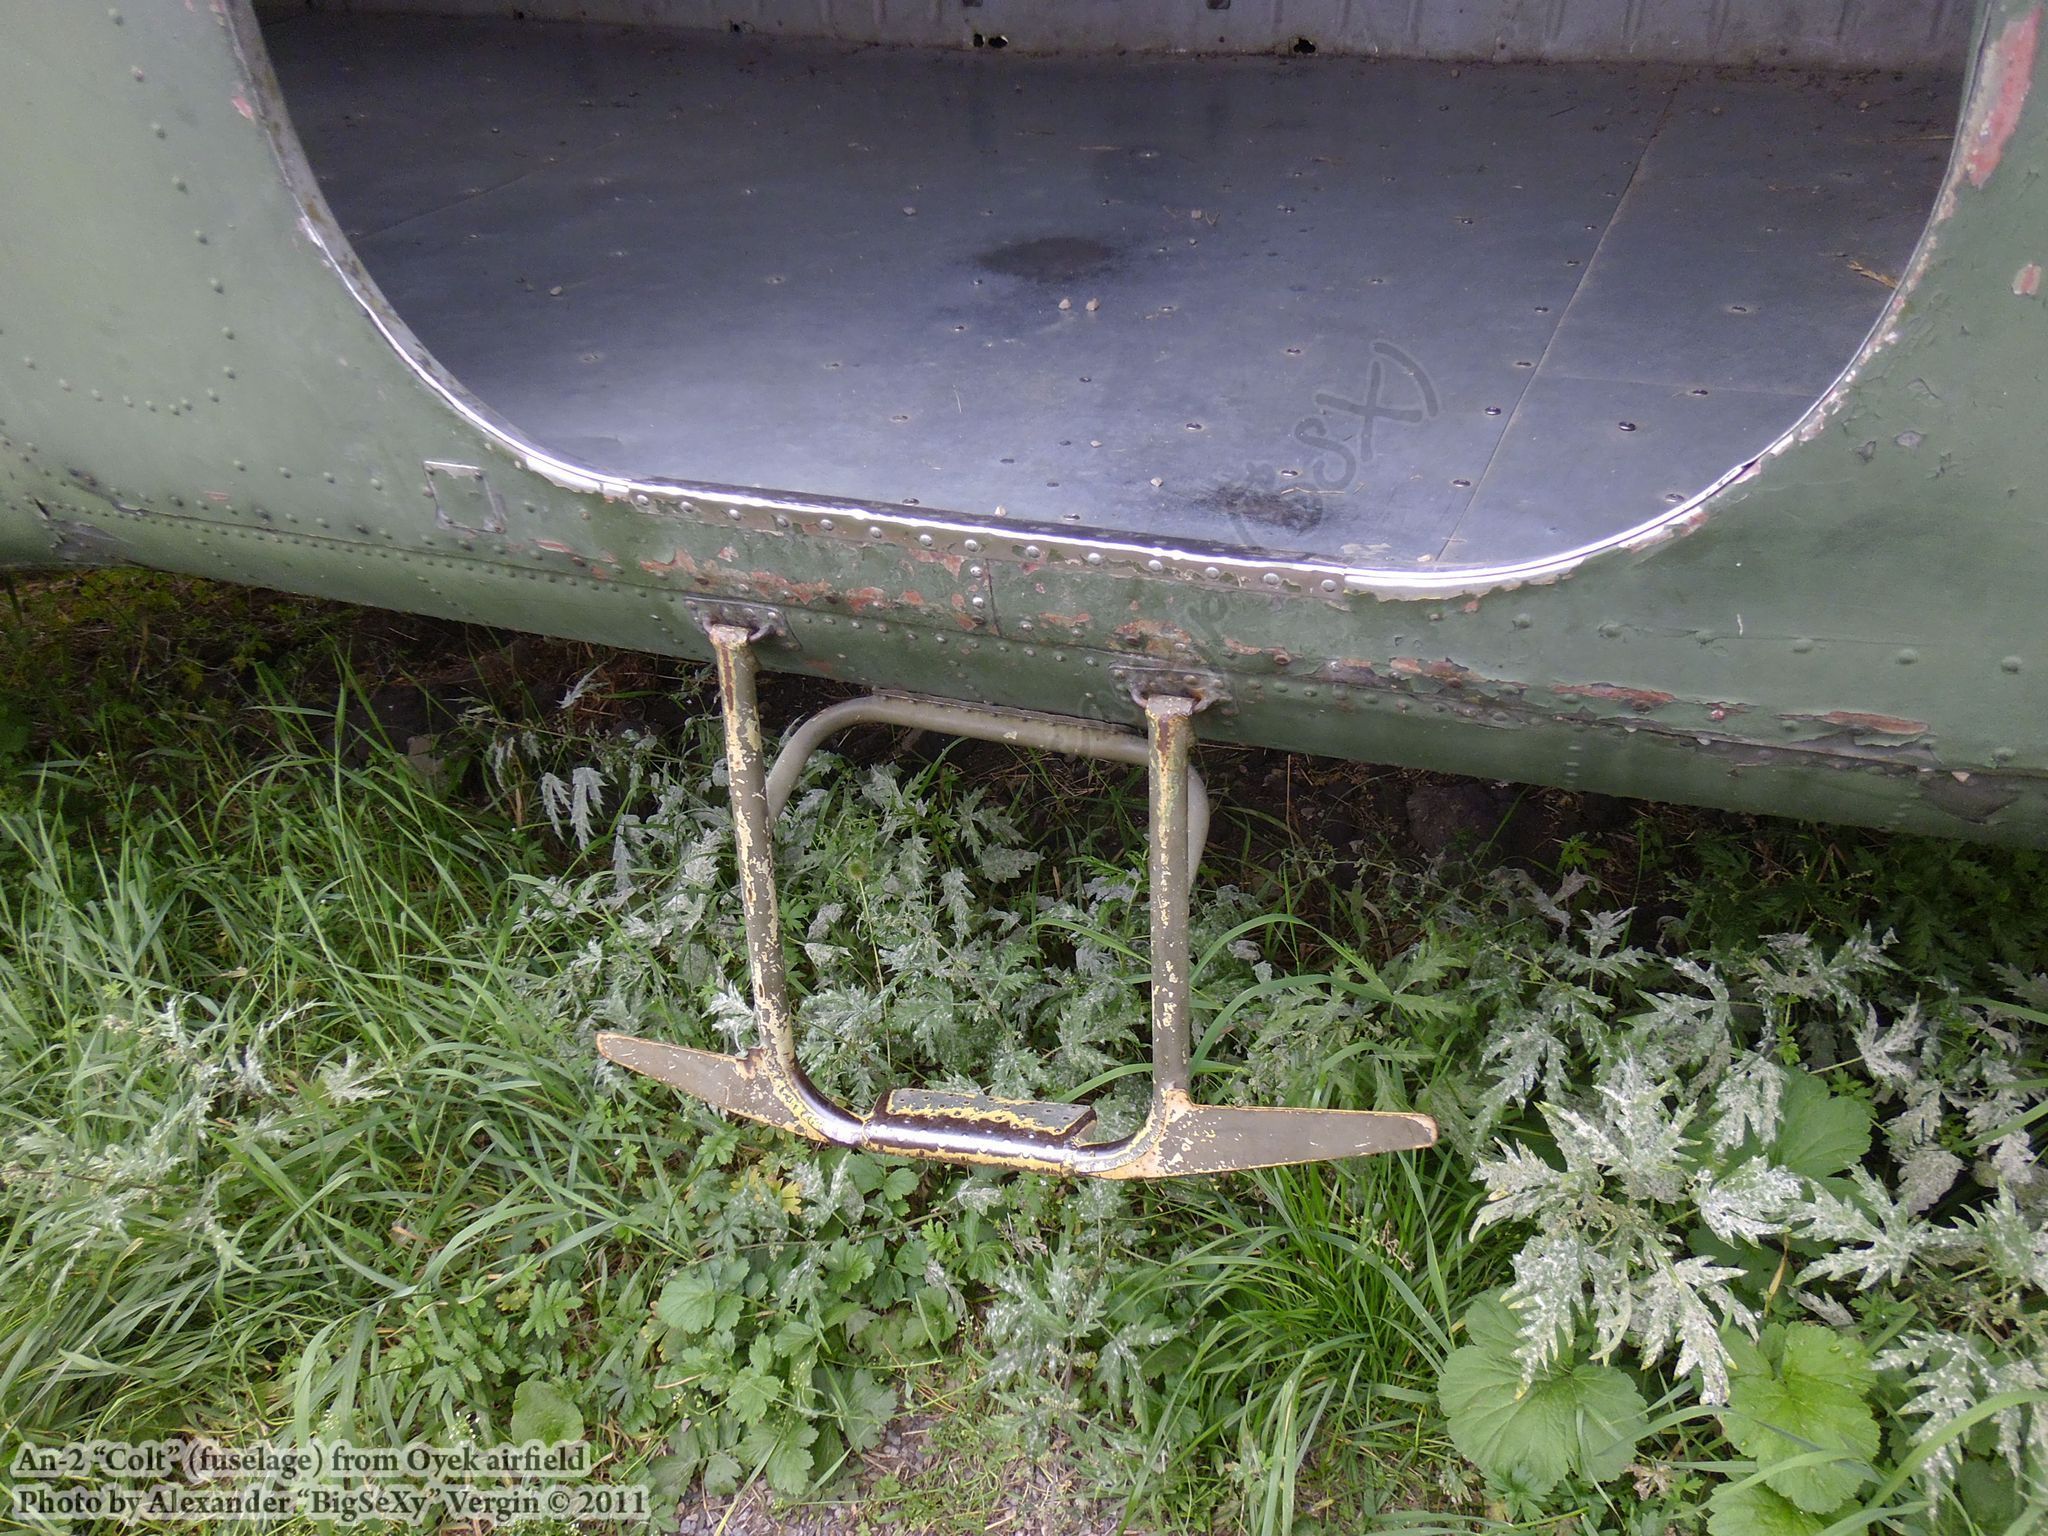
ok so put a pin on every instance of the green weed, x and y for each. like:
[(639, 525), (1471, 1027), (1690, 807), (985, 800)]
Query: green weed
[(302, 1134)]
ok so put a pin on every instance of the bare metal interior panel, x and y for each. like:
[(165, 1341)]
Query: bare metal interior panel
[(1404, 311), (1848, 34)]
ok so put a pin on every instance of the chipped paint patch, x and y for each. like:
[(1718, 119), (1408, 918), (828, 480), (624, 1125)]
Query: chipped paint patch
[(1635, 698), (1447, 672), (2026, 283), (1856, 720), (1157, 638), (2009, 74)]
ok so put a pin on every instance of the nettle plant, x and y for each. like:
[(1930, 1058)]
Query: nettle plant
[(1781, 1191)]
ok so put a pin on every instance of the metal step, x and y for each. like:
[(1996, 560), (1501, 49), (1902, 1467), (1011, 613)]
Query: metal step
[(1178, 1137)]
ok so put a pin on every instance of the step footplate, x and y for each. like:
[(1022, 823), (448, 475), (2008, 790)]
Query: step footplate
[(1178, 1136)]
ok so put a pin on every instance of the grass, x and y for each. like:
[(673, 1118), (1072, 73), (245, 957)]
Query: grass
[(301, 1132)]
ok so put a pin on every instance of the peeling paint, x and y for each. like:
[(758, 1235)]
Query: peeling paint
[(1855, 720), (2008, 75), (766, 586), (2026, 283), (1634, 698), (1446, 672), (1157, 638)]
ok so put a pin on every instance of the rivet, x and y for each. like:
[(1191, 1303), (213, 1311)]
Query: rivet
[(639, 498), (977, 602), (824, 525), (1211, 572), (1610, 630), (732, 514), (1271, 578), (1802, 645), (2001, 754), (781, 521), (240, 465), (1907, 656), (2011, 663), (1155, 566), (973, 546), (1329, 584), (1523, 621), (1094, 557), (1033, 552), (924, 541)]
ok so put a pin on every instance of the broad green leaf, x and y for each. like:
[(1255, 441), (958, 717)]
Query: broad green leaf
[(1756, 1511), (1987, 1498), (1584, 1418), (687, 1303), (721, 1474), (783, 1449), (899, 1183), (698, 1301), (1823, 1354), (934, 1314), (542, 1410), (751, 1395), (1810, 1401), (1819, 1133), (1491, 1324), (865, 1406)]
